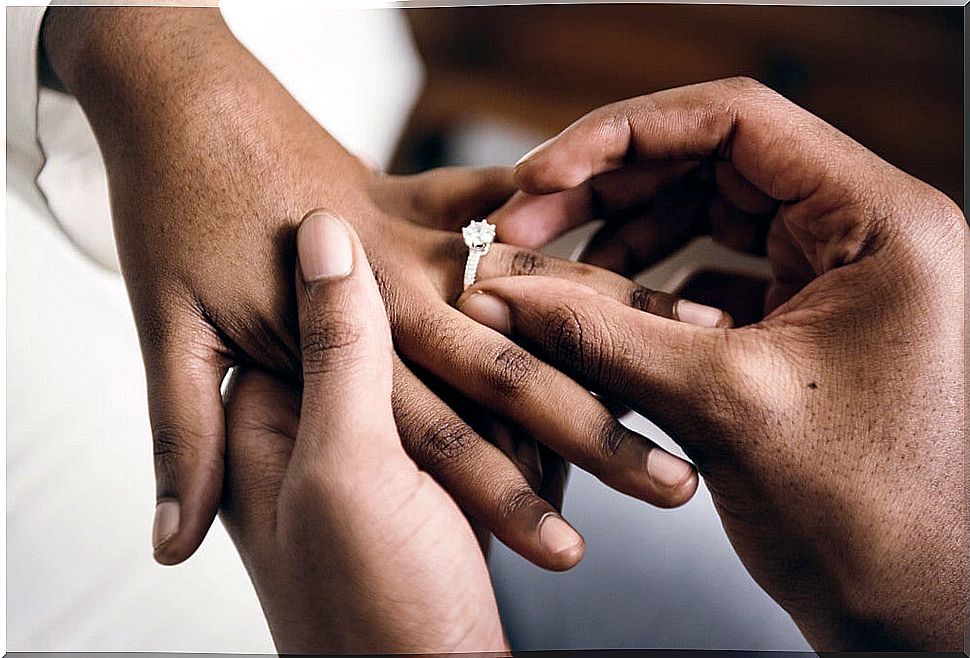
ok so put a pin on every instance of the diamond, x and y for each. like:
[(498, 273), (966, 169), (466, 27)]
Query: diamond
[(479, 235)]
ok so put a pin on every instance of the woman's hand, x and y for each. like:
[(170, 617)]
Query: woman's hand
[(352, 549), (211, 164), (831, 434)]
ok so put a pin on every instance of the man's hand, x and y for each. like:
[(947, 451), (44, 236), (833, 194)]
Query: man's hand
[(831, 434), (352, 549), (211, 164)]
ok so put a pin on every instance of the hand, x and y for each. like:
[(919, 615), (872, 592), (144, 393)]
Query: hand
[(352, 549), (211, 164), (831, 433)]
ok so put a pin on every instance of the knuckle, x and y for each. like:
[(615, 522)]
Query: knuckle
[(651, 301), (328, 345), (744, 84), (750, 379), (513, 371), (176, 449), (517, 500), (443, 442), (641, 298), (612, 437), (443, 334), (564, 338), (526, 262), (589, 345), (170, 445), (579, 344)]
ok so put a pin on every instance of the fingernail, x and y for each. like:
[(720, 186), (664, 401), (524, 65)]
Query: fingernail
[(166, 522), (701, 315), (488, 310), (666, 469), (533, 152), (324, 247), (557, 537)]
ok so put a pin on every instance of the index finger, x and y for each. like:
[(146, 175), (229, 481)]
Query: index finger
[(780, 148)]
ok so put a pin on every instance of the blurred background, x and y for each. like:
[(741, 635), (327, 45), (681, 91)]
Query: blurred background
[(891, 77)]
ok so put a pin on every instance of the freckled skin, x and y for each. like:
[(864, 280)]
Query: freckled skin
[(831, 434)]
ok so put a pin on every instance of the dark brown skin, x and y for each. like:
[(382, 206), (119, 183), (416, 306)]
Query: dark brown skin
[(351, 547), (211, 165), (831, 434)]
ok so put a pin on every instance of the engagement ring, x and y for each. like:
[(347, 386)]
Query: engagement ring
[(478, 236)]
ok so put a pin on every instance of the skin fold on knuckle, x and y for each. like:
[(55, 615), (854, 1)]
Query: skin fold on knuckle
[(512, 372), (581, 343), (612, 438), (171, 444), (519, 500), (652, 301), (329, 344), (435, 441), (525, 262), (179, 451)]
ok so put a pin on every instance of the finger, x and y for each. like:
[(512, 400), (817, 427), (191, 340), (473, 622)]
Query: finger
[(555, 471), (346, 347), (551, 407), (740, 193), (781, 149), (512, 441), (654, 230), (647, 362), (481, 479), (262, 419), (188, 431), (738, 230), (448, 197), (533, 220), (516, 445), (505, 260)]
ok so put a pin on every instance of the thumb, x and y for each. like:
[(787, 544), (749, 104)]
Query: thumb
[(345, 342), (188, 431)]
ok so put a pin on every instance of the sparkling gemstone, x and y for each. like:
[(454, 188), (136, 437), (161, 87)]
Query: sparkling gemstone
[(479, 234)]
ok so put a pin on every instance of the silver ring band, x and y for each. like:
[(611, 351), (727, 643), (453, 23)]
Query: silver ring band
[(471, 268), (478, 236)]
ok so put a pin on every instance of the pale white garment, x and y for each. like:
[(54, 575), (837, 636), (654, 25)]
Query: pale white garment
[(80, 487)]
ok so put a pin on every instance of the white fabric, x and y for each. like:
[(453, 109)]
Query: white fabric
[(24, 157)]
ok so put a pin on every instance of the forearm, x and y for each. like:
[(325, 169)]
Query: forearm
[(158, 82)]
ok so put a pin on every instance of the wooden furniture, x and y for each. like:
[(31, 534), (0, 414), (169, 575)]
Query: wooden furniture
[(890, 77)]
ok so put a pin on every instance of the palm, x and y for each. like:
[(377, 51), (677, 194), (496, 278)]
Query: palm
[(403, 539)]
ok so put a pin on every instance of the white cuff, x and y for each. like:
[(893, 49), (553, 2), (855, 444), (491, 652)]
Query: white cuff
[(24, 156)]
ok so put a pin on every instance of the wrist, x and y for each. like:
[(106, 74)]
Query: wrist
[(146, 76), (168, 90), (130, 49)]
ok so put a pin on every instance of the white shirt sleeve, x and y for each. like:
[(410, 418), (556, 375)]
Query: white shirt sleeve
[(24, 156)]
